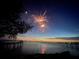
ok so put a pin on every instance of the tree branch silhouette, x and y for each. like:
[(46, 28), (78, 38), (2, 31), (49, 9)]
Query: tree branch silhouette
[(10, 22)]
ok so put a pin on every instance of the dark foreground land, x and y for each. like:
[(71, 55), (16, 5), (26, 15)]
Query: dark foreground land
[(12, 50), (39, 56)]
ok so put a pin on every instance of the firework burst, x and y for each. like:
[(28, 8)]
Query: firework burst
[(41, 21)]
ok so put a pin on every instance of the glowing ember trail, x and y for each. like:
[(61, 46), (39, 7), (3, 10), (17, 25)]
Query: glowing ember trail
[(41, 21)]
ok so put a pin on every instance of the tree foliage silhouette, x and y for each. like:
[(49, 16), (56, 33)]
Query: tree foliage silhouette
[(10, 22)]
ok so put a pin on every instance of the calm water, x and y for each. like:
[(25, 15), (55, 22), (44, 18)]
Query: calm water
[(49, 48)]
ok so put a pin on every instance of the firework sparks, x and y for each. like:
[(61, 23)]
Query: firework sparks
[(26, 12), (41, 21)]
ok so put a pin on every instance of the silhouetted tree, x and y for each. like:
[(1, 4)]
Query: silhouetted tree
[(10, 22)]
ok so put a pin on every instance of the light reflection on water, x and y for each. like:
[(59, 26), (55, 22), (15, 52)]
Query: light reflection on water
[(49, 48)]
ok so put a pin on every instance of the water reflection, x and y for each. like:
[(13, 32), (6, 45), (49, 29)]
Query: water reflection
[(49, 48), (43, 49)]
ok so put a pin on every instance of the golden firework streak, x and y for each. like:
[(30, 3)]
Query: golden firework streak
[(41, 21)]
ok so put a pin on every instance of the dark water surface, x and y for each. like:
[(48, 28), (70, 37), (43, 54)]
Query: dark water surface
[(50, 48)]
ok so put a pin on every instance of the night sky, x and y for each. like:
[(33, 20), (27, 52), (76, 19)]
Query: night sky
[(62, 17)]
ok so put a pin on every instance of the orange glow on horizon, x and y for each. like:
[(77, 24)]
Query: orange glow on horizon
[(52, 40)]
